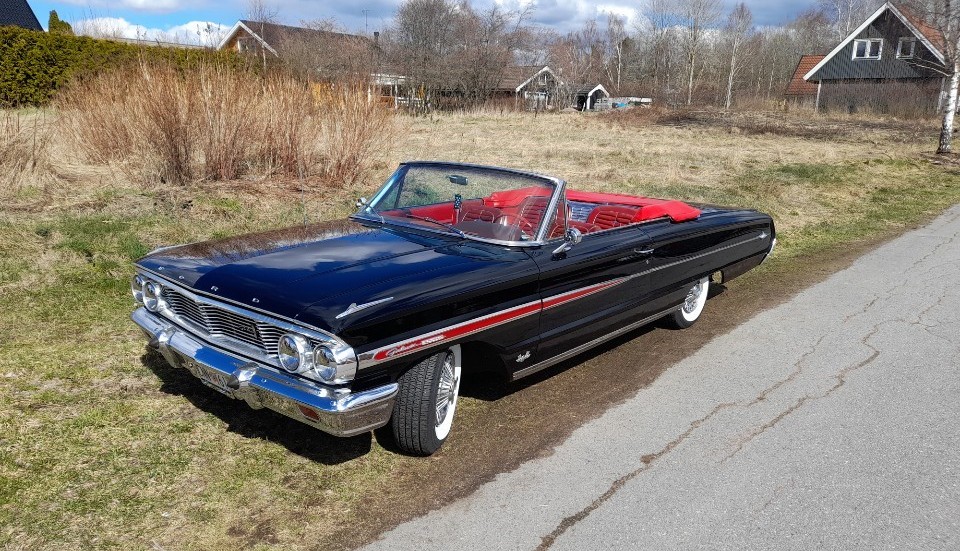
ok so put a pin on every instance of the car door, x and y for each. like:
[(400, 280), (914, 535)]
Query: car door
[(591, 289)]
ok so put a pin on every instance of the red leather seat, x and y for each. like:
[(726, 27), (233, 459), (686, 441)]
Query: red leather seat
[(612, 216), (584, 227), (531, 209), (481, 213)]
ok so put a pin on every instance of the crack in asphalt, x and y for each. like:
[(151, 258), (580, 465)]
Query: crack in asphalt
[(926, 327), (841, 379), (647, 461)]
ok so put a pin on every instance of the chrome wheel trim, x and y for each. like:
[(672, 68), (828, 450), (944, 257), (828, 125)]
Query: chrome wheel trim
[(696, 299), (448, 390)]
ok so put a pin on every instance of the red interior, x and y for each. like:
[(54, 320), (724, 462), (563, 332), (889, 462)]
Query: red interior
[(677, 211), (525, 207)]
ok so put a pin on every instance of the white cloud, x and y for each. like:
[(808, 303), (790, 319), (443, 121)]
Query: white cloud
[(205, 33), (158, 6)]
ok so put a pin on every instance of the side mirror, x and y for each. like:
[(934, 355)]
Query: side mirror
[(361, 202), (570, 238)]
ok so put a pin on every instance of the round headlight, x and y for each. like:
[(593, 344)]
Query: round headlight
[(294, 353), (136, 287), (326, 363), (151, 295)]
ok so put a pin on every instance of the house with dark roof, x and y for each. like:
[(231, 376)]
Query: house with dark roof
[(18, 13), (321, 54), (892, 63), (257, 36)]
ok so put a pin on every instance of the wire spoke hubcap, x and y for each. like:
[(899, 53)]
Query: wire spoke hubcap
[(690, 304), (446, 389)]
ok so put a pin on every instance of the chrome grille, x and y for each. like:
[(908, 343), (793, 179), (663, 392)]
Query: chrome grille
[(219, 322)]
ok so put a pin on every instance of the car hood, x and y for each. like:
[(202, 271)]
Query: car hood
[(284, 270)]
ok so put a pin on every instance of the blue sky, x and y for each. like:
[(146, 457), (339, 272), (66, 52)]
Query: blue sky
[(184, 17)]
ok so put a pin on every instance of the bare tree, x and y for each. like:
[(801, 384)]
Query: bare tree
[(616, 41), (848, 14), (262, 13), (578, 56), (738, 28), (942, 17), (697, 16)]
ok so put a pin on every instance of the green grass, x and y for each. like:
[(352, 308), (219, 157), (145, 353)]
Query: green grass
[(104, 446)]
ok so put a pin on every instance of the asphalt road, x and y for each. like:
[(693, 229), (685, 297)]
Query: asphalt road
[(829, 422)]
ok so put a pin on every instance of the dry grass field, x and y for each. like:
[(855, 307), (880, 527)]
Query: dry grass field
[(102, 446)]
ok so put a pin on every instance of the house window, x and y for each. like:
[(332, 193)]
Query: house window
[(867, 48), (906, 47)]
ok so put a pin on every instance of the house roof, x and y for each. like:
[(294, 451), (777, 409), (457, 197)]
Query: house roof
[(798, 86), (516, 77), (18, 13), (273, 35), (589, 89), (928, 35)]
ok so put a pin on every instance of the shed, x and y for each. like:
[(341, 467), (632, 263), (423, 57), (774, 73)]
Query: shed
[(587, 97)]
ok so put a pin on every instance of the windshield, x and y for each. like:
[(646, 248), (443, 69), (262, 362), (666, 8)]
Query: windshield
[(473, 202)]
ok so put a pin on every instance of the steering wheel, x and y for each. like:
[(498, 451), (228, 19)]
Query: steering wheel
[(522, 224)]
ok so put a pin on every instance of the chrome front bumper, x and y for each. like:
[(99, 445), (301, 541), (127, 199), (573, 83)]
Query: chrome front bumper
[(333, 410)]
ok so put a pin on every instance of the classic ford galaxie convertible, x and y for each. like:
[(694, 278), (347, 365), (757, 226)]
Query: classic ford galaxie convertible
[(450, 270)]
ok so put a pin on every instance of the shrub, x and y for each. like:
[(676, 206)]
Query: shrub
[(215, 122), (23, 149), (35, 65)]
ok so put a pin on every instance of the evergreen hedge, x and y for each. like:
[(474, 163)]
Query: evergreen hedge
[(34, 65)]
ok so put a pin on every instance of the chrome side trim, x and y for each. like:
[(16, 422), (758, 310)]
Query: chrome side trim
[(354, 308), (527, 371), (331, 409), (424, 341), (773, 244)]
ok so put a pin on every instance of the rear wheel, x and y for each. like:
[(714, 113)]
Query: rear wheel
[(692, 306), (426, 403)]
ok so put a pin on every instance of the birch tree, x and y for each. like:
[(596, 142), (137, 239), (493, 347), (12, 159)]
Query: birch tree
[(698, 17), (848, 14), (616, 41), (942, 21), (739, 25)]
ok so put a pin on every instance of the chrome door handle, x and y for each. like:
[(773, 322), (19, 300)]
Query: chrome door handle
[(643, 252)]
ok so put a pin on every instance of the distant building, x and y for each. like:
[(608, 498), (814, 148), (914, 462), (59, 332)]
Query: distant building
[(891, 63), (18, 13), (533, 87), (255, 36), (590, 97), (800, 91)]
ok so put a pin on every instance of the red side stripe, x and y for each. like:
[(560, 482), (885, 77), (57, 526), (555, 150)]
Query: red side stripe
[(499, 318)]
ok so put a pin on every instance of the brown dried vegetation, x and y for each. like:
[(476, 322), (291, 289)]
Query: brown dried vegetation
[(158, 124)]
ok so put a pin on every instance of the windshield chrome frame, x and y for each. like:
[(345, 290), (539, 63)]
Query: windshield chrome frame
[(559, 188)]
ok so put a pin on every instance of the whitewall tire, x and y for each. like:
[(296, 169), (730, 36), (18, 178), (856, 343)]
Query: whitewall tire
[(693, 304), (427, 402)]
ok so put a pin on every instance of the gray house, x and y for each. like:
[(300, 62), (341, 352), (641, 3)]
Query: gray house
[(19, 14), (892, 63)]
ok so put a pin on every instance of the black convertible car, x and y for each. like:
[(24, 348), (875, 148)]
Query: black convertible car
[(450, 270)]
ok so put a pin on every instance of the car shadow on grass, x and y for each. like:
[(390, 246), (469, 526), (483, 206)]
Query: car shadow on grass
[(263, 424)]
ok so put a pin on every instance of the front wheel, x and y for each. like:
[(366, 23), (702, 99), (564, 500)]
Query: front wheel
[(692, 306), (426, 403)]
